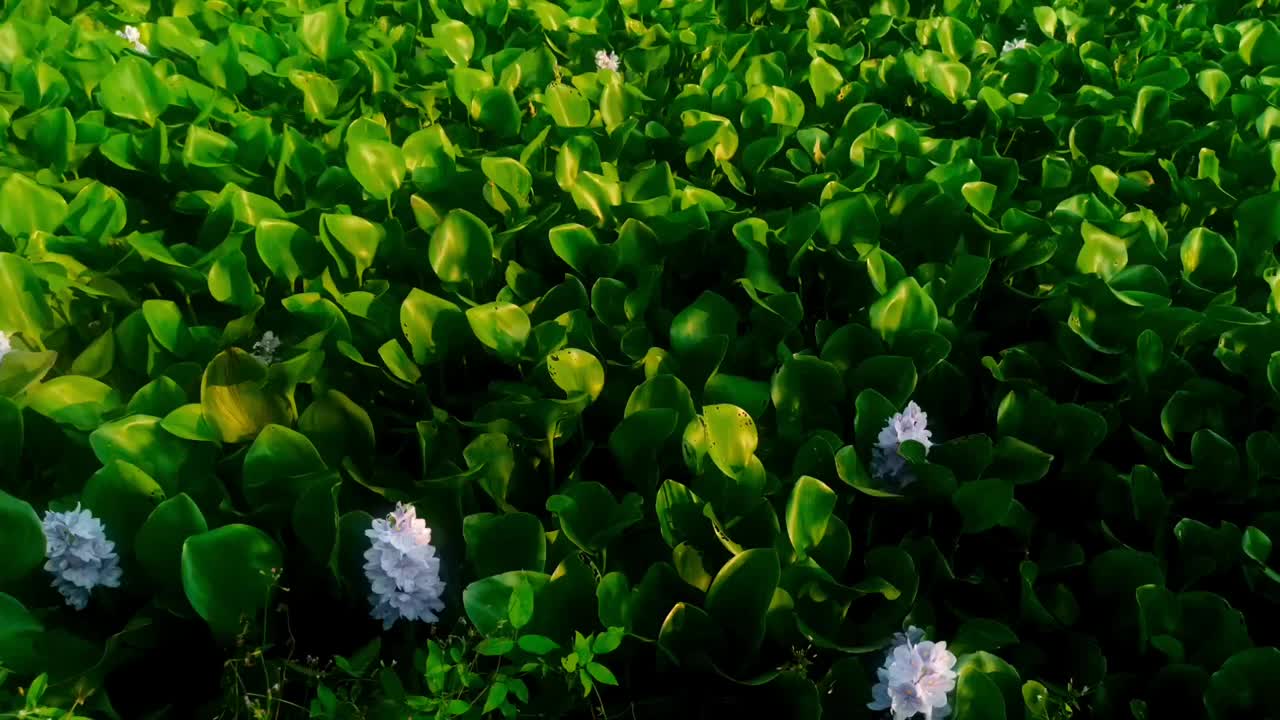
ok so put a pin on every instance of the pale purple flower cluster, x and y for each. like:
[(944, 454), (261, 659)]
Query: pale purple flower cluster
[(81, 557), (915, 679), (910, 424), (403, 570)]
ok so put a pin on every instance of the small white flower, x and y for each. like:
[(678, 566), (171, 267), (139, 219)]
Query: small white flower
[(915, 678), (910, 424), (6, 345), (80, 556), (134, 36), (403, 570), (1011, 45), (265, 349), (606, 60)]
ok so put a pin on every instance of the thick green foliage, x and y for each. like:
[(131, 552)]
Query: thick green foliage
[(627, 338)]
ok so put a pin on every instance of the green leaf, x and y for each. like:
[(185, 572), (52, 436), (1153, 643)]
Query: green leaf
[(22, 537), (279, 467), (378, 166), (978, 697), (123, 497), (591, 517), (81, 402), (849, 220), (496, 110), (537, 644), (230, 282), (1208, 259), (19, 633), (732, 438), (1256, 545), (319, 93), (1103, 253), (238, 400), (287, 250), (1258, 45), (187, 422), (1117, 572), (501, 327), (520, 606), (24, 305), (509, 176), (1018, 461), (980, 195), (461, 249), (228, 575), (487, 602), (808, 510), (158, 543), (30, 207), (892, 376), (502, 543), (11, 433), (981, 634), (357, 237), (1214, 83), (576, 372), (567, 106), (602, 674), (323, 32), (983, 503), (432, 325), (21, 370), (139, 440), (824, 79), (951, 79), (133, 91), (455, 39), (1243, 686), (739, 598), (904, 308)]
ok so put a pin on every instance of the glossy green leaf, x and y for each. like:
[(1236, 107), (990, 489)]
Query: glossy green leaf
[(228, 575)]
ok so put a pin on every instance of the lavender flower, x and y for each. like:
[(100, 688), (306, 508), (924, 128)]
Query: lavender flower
[(80, 556), (265, 349), (606, 60), (403, 570), (910, 424), (916, 676)]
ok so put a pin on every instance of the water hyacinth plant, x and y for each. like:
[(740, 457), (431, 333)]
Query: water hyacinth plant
[(81, 558), (639, 359), (403, 570)]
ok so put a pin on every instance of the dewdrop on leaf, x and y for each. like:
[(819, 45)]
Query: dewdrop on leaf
[(403, 569)]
